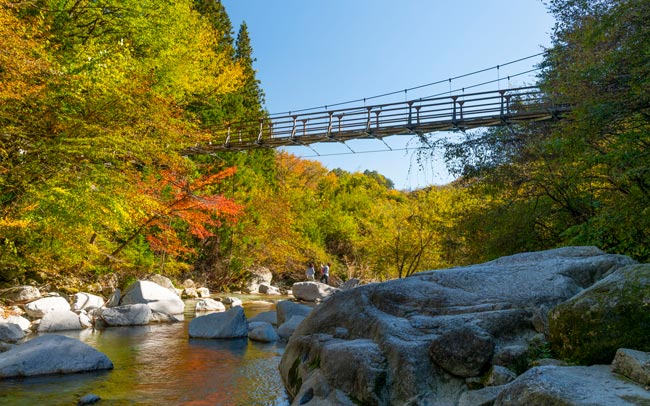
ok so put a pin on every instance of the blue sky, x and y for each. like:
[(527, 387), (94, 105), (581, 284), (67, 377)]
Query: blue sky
[(319, 52)]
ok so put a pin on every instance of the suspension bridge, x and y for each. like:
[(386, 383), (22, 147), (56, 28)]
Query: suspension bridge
[(454, 112)]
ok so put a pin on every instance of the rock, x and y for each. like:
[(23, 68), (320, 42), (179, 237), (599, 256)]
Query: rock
[(572, 386), (465, 351), (267, 289), (51, 354), (228, 324), (492, 304), (4, 347), (270, 317), (163, 281), (114, 299), (127, 315), (11, 333), (203, 292), (611, 314), (20, 294), (498, 376), (350, 284), (209, 305), (165, 305), (481, 397), (88, 399), (59, 320), (24, 324), (232, 302), (287, 309), (188, 283), (287, 328), (312, 291), (367, 379), (86, 301), (190, 293), (41, 307), (258, 276), (632, 364), (263, 332), (85, 320)]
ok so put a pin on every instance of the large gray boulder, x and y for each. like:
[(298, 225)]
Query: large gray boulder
[(228, 324), (165, 305), (413, 326), (59, 321), (610, 314), (127, 315), (572, 386), (51, 354), (40, 307), (312, 291)]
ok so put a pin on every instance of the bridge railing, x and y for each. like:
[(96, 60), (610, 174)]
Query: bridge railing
[(454, 112)]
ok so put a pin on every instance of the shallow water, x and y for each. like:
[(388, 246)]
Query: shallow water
[(159, 365)]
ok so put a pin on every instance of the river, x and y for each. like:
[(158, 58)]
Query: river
[(158, 365)]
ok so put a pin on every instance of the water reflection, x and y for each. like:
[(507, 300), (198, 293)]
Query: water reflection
[(159, 365)]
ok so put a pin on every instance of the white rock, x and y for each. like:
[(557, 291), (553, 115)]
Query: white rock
[(312, 291), (209, 305), (85, 320), (86, 301), (41, 307), (203, 292), (165, 306), (232, 302), (127, 315), (229, 324), (267, 289), (59, 320), (163, 281), (49, 354), (20, 320), (190, 293)]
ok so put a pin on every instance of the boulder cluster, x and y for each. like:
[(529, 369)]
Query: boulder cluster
[(267, 326), (482, 335)]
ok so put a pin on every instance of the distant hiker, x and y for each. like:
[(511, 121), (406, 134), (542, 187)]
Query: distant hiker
[(310, 272), (325, 273)]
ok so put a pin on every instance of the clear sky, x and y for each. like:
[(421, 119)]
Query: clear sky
[(320, 52)]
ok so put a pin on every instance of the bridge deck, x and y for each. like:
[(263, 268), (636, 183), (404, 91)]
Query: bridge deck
[(456, 112)]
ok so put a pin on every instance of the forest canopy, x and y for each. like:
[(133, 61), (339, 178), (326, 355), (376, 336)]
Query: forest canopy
[(99, 99)]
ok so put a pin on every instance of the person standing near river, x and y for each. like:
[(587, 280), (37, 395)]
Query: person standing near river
[(310, 272), (325, 273)]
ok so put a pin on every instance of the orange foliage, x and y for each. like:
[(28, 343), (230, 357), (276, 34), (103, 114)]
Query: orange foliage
[(179, 198)]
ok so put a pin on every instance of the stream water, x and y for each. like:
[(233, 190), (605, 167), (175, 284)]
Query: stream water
[(158, 365)]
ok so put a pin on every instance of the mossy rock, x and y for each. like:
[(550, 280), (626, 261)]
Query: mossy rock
[(613, 313)]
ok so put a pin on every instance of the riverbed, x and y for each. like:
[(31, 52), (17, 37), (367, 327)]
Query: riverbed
[(159, 365)]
